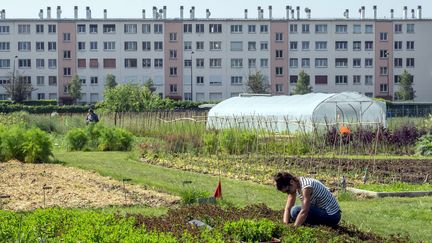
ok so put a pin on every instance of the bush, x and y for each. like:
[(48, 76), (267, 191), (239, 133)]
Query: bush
[(76, 139), (210, 142), (253, 231), (115, 139), (424, 145), (189, 195)]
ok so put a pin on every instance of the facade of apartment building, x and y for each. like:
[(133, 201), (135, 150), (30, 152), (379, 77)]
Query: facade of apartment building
[(214, 57)]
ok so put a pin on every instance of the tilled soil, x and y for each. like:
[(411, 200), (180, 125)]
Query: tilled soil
[(32, 186)]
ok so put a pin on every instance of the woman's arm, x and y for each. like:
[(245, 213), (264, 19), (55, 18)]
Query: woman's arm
[(301, 218), (289, 204)]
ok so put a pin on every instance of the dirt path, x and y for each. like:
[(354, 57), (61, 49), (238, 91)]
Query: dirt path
[(70, 188)]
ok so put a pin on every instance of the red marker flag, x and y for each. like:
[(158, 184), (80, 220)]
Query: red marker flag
[(218, 191)]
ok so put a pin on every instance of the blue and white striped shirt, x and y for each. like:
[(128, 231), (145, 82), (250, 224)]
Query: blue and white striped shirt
[(321, 197)]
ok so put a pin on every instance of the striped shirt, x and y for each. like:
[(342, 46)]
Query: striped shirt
[(321, 197)]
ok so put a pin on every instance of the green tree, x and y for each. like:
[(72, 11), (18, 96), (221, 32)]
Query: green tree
[(18, 88), (406, 90), (110, 81), (150, 85), (75, 88), (256, 83), (303, 84)]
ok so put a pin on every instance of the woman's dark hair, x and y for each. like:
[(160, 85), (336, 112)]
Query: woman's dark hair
[(283, 179)]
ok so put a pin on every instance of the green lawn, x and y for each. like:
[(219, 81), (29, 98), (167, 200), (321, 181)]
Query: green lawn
[(384, 216)]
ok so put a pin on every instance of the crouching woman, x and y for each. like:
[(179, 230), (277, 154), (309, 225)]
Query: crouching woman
[(318, 206)]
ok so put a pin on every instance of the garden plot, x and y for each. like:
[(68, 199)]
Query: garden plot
[(29, 186)]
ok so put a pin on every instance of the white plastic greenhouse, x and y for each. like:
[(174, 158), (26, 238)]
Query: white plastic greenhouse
[(296, 112)]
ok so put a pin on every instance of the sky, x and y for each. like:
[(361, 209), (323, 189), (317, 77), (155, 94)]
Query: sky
[(218, 8)]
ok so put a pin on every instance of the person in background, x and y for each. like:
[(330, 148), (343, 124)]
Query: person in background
[(318, 206), (91, 117)]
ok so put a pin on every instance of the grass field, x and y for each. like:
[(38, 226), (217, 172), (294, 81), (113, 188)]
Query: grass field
[(385, 216)]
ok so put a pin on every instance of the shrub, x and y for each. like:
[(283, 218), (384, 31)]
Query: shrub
[(189, 194), (234, 141), (12, 143), (37, 146), (424, 145), (115, 139), (76, 139), (210, 142), (253, 231)]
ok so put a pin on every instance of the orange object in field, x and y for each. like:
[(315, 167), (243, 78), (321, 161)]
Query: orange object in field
[(344, 130)]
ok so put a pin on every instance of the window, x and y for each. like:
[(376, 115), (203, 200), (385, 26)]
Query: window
[(251, 28), (199, 80), (368, 62), (410, 28), (341, 45), (216, 96), (383, 88), (410, 45), (158, 62), (173, 71), (279, 88), (52, 63), (368, 80), (199, 28), (263, 28), (293, 28), (251, 46), (187, 28), (357, 62), (130, 46), (215, 28), (357, 45), (383, 71), (23, 29), (52, 46), (357, 29), (93, 45), (66, 54), (173, 88), (52, 28), (368, 29), (236, 28), (305, 62), (24, 63), (4, 29), (368, 45), (398, 28), (264, 45), (146, 62), (293, 45), (321, 45), (93, 80), (146, 28), (215, 45), (39, 28), (52, 80), (279, 36), (82, 63), (67, 71), (341, 62), (251, 62), (40, 46), (398, 62), (4, 80), (305, 45), (410, 62), (357, 79), (82, 81), (109, 63), (5, 63), (158, 46), (40, 96), (4, 46), (199, 62), (293, 62), (81, 45), (187, 63), (173, 54), (320, 28), (236, 80), (383, 36), (109, 28), (383, 54), (321, 62), (66, 37), (279, 54), (93, 28), (130, 28), (215, 62), (40, 63), (94, 63), (236, 63), (236, 46), (398, 45), (341, 28), (109, 45), (341, 79), (173, 37), (279, 71), (40, 80), (200, 45), (24, 46), (26, 79), (293, 79), (158, 28), (321, 79), (305, 28), (81, 28), (130, 62), (264, 62)]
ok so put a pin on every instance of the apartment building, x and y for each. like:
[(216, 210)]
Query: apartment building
[(210, 59)]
